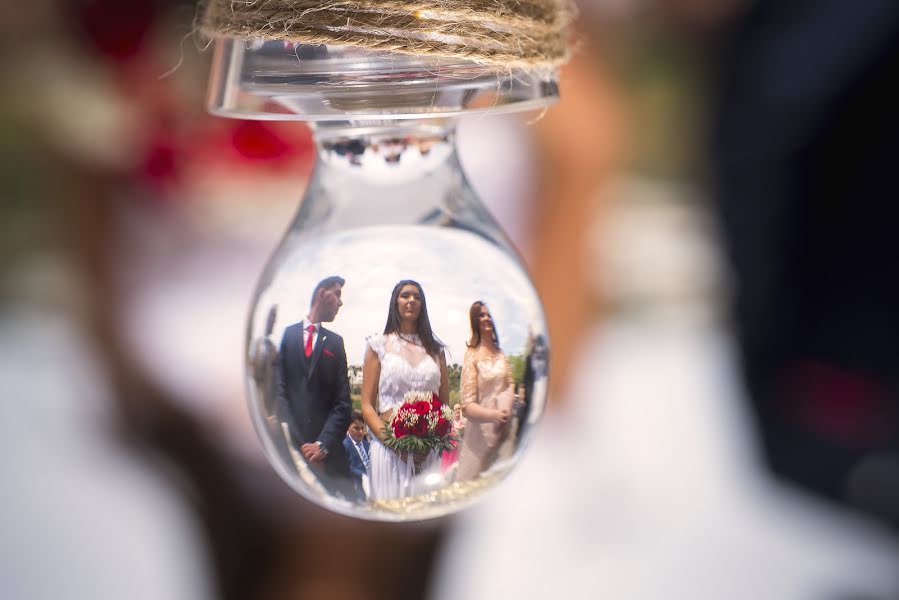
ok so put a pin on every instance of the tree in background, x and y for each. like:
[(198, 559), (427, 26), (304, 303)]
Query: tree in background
[(517, 363), (454, 371)]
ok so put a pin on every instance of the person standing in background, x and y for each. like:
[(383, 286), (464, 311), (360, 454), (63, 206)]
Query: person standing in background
[(358, 448), (810, 219), (262, 360), (488, 392)]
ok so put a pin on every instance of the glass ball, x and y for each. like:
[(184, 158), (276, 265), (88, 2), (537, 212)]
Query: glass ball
[(396, 348)]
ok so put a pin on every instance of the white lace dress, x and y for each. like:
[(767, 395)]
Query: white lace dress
[(405, 367)]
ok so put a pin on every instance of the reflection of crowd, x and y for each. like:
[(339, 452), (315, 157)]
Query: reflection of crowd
[(390, 150), (303, 389)]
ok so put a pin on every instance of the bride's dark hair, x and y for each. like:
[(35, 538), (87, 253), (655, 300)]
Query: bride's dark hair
[(431, 344)]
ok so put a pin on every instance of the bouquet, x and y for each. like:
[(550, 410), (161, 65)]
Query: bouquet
[(422, 424)]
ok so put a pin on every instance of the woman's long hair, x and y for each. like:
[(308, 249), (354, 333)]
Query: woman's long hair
[(474, 316), (431, 343)]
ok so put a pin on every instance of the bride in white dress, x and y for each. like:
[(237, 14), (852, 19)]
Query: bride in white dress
[(407, 357)]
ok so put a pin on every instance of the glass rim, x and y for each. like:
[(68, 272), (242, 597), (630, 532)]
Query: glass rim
[(277, 80)]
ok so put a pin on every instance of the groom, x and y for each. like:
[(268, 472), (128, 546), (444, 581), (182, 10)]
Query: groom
[(313, 388)]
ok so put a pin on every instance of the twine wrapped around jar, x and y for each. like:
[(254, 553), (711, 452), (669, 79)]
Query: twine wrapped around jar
[(499, 33)]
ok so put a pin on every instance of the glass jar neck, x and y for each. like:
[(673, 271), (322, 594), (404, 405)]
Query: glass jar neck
[(384, 172)]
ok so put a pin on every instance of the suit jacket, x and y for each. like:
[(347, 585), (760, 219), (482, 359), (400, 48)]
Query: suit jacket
[(314, 394), (357, 467)]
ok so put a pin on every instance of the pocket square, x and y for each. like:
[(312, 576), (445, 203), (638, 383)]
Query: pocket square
[(328, 353)]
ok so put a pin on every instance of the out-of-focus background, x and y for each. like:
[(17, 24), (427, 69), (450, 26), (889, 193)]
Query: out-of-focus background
[(708, 214)]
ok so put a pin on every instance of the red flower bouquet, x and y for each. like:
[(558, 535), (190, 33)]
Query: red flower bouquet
[(422, 424)]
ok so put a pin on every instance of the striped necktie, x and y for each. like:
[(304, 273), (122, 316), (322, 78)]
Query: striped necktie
[(360, 447)]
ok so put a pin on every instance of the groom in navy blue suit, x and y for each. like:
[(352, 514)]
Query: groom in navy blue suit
[(313, 389)]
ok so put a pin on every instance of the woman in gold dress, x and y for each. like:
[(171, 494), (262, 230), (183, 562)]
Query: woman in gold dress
[(488, 392)]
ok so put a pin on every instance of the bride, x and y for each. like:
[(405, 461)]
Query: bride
[(406, 358)]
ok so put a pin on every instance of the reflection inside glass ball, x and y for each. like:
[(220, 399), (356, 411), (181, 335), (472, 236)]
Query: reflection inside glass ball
[(395, 372)]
